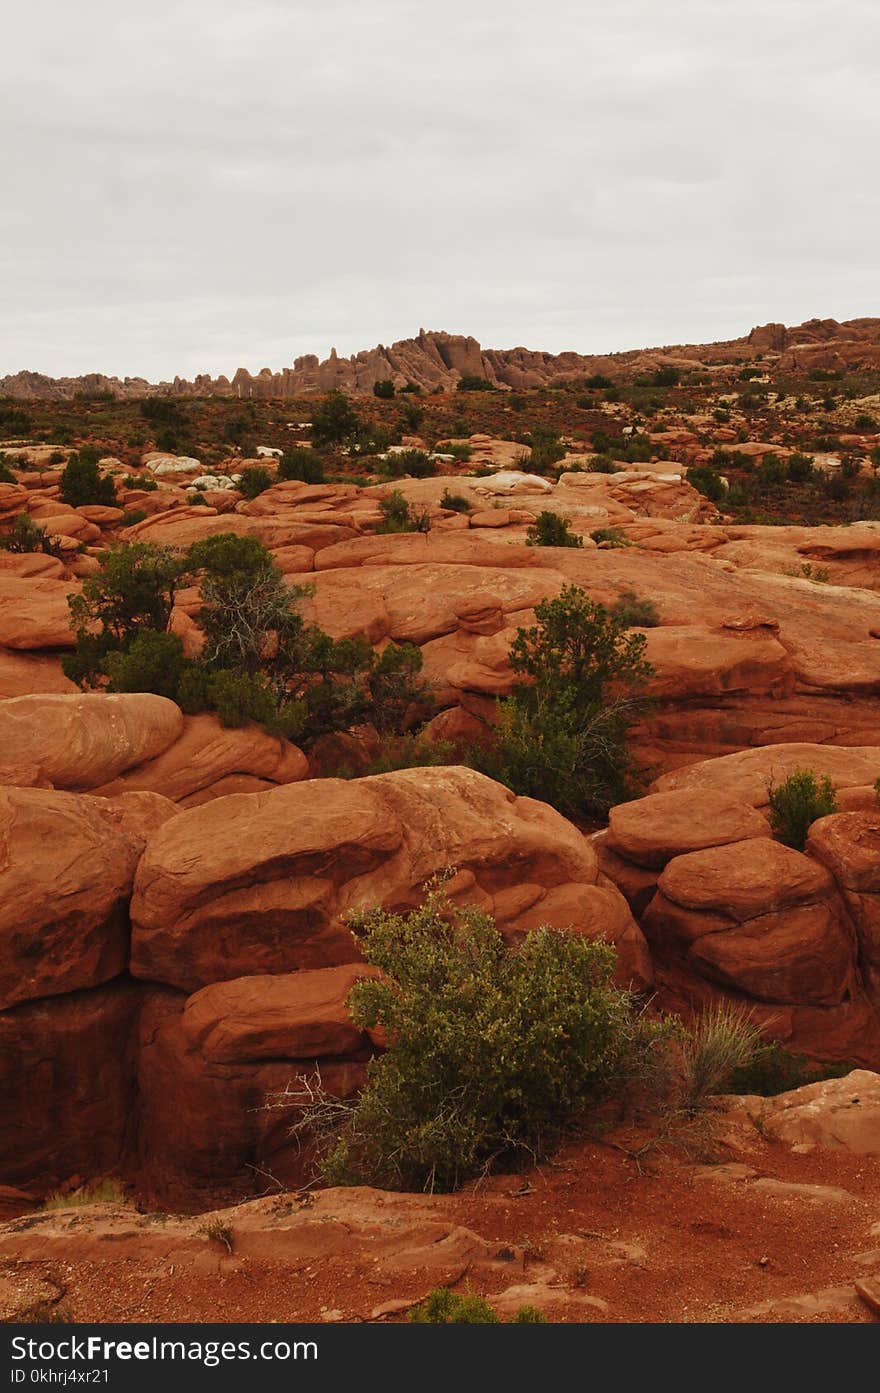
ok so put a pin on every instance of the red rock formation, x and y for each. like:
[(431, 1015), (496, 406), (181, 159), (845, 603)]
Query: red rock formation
[(437, 359)]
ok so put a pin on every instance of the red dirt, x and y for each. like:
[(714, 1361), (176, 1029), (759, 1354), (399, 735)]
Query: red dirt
[(712, 1250)]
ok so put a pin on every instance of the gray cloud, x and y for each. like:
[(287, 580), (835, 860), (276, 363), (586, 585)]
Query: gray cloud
[(200, 186)]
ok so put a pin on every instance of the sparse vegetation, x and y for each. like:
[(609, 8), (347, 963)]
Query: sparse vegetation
[(562, 734), (414, 463), (217, 1231), (107, 1191), (774, 1069), (400, 516), (83, 484), (551, 530), (455, 502), (25, 535), (334, 422), (302, 464), (255, 479), (493, 1051), (722, 1040), (797, 802), (261, 661), (444, 1307), (610, 537), (635, 611)]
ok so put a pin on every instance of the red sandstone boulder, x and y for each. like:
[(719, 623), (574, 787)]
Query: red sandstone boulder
[(205, 1128), (82, 740), (749, 774), (66, 869), (206, 757), (835, 1114), (27, 674), (421, 602), (296, 1015), (264, 882), (849, 845), (34, 613), (757, 917), (651, 831)]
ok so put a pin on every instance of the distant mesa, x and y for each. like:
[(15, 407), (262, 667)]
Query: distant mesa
[(435, 359)]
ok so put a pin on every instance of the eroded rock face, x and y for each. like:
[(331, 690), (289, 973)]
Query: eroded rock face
[(750, 774), (849, 845), (67, 1083), (757, 917), (66, 870), (296, 1015), (265, 881), (80, 741), (34, 613), (204, 760), (215, 1113)]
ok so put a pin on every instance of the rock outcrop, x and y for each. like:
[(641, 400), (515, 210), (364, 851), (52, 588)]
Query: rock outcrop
[(436, 359)]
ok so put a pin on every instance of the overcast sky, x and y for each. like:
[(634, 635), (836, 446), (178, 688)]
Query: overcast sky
[(197, 185)]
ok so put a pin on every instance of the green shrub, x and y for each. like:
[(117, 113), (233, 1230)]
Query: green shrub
[(254, 481), (14, 422), (772, 470), (551, 530), (132, 516), (707, 482), (25, 535), (302, 464), (720, 1041), (239, 697), (393, 687), (384, 388), (459, 449), (134, 591), (598, 382), (413, 463), (562, 734), (399, 516), (334, 422), (547, 450), (6, 474), (140, 481), (611, 536), (455, 502), (153, 662), (492, 1050), (666, 377), (444, 1307), (635, 611), (774, 1069), (260, 662), (471, 382), (411, 415), (797, 802), (799, 468), (83, 485), (602, 464)]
